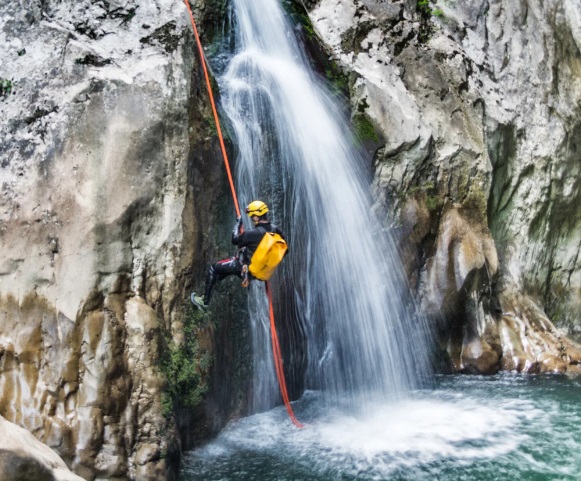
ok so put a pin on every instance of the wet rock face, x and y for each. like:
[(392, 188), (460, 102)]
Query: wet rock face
[(478, 104), (97, 230)]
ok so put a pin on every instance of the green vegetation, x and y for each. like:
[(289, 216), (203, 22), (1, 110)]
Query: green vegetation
[(476, 205), (424, 7), (300, 16), (128, 16), (211, 122), (186, 365), (5, 87), (364, 128), (337, 79), (427, 192), (426, 11), (412, 191), (433, 202)]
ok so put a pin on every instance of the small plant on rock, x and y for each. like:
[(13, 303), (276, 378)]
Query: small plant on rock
[(5, 87), (185, 366), (426, 11)]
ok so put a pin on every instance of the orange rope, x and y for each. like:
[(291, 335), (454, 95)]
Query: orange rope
[(278, 361), (275, 345), (218, 128)]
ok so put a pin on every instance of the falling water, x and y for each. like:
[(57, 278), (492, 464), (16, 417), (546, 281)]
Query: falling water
[(296, 152)]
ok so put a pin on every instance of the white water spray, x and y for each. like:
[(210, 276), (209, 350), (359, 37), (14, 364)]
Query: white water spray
[(296, 153)]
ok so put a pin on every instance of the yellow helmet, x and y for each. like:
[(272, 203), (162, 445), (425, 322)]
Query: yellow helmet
[(257, 208)]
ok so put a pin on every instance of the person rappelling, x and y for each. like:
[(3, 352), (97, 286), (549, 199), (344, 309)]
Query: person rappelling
[(261, 249), (268, 251)]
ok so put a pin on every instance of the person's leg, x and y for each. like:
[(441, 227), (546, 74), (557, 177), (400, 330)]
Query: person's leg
[(218, 271)]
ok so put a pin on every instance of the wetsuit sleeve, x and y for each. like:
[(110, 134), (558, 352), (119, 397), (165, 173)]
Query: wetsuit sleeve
[(237, 232), (246, 238)]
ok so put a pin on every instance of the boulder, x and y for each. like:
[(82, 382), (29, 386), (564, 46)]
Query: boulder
[(25, 458)]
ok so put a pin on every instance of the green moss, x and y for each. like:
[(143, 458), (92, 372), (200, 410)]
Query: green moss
[(129, 15), (185, 365), (433, 202), (426, 192), (364, 128), (475, 205), (424, 6), (5, 87), (337, 79), (426, 12), (420, 188), (300, 16), (426, 9)]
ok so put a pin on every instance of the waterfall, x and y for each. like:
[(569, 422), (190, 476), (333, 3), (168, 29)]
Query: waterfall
[(341, 280)]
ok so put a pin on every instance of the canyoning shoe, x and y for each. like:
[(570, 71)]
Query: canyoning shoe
[(198, 301)]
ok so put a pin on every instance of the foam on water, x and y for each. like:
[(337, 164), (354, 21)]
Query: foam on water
[(496, 431), (399, 437), (433, 427)]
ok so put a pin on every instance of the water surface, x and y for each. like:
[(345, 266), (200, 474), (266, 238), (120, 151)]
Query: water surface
[(506, 427)]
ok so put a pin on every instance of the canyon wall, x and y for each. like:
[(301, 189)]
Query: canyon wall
[(476, 109), (109, 169)]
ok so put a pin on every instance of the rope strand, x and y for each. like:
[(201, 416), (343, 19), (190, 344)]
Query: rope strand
[(278, 361), (214, 110), (274, 337)]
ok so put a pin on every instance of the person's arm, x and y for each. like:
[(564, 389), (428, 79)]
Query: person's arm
[(238, 231), (246, 238)]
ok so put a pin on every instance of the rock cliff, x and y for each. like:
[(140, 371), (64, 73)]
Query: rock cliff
[(105, 150), (477, 105)]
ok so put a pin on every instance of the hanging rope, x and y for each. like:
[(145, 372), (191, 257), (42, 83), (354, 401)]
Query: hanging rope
[(278, 360), (275, 345), (216, 119)]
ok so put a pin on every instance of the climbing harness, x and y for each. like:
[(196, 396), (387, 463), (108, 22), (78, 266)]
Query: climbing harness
[(274, 337)]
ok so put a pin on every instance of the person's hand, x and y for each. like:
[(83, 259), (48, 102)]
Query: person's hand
[(238, 229)]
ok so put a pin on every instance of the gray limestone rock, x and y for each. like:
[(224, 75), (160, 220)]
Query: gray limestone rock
[(97, 230), (479, 105)]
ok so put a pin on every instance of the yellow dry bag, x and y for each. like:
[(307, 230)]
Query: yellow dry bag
[(269, 253)]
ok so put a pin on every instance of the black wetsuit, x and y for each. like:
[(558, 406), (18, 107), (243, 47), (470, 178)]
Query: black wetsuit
[(247, 242)]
